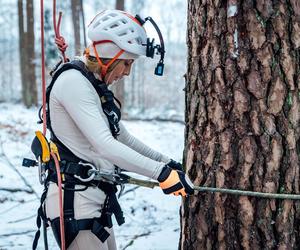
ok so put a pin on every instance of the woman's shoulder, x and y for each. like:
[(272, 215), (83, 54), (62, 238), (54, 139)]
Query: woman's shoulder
[(72, 83), (70, 79)]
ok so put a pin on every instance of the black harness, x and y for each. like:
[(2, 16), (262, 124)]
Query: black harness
[(107, 98), (71, 165)]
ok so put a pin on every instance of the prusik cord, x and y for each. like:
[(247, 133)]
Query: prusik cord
[(152, 184)]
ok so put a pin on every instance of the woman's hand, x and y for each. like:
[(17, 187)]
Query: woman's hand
[(175, 182), (175, 165)]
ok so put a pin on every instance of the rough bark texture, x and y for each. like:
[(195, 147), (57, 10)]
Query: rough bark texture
[(27, 53), (242, 123)]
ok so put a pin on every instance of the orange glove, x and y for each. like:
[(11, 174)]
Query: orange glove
[(175, 182)]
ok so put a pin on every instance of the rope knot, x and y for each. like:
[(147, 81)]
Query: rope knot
[(61, 43)]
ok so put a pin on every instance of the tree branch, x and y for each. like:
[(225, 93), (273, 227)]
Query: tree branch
[(15, 190), (134, 238), (16, 170)]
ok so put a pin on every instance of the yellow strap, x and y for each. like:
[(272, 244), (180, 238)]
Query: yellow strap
[(54, 149), (44, 145)]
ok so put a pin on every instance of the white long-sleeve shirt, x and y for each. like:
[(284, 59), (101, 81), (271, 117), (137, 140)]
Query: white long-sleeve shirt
[(80, 124)]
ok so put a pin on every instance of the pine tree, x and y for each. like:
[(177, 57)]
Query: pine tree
[(242, 123)]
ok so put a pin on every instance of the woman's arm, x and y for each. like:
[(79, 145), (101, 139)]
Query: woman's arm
[(126, 138), (81, 101)]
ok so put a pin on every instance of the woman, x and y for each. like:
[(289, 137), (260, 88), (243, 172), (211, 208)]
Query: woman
[(86, 128)]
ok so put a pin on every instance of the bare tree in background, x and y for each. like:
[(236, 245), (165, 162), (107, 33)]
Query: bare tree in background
[(118, 88), (76, 14), (242, 123), (83, 23), (136, 95), (27, 53), (120, 4)]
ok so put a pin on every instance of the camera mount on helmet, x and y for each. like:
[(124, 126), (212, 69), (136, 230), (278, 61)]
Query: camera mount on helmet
[(151, 48)]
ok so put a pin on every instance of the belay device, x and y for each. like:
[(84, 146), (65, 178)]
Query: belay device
[(151, 47)]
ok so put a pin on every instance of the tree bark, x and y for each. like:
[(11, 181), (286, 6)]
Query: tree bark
[(242, 123), (76, 7)]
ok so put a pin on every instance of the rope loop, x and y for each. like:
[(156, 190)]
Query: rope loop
[(59, 40), (61, 44)]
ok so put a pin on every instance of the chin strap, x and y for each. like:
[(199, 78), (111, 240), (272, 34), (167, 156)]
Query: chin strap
[(104, 67)]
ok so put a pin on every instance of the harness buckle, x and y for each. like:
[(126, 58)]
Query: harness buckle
[(42, 171), (101, 175), (91, 176)]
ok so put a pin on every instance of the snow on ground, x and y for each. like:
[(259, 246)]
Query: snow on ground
[(152, 218)]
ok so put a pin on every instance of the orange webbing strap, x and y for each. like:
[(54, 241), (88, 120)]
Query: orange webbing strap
[(172, 184), (104, 67)]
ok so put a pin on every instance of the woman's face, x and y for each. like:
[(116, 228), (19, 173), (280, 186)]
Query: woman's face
[(123, 68)]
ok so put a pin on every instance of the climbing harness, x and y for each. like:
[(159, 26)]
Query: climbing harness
[(107, 98), (73, 171)]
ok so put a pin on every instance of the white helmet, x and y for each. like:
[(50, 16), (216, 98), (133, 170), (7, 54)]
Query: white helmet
[(122, 29)]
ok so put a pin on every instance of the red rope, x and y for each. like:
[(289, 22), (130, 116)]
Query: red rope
[(59, 40), (62, 47), (43, 69)]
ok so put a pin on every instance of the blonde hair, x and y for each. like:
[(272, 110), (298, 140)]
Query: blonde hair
[(93, 65)]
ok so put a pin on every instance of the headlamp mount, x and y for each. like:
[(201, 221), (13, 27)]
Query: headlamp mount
[(152, 48)]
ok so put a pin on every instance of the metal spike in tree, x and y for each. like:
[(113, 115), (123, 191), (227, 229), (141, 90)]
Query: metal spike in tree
[(242, 123)]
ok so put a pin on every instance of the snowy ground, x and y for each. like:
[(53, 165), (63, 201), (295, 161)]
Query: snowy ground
[(152, 219)]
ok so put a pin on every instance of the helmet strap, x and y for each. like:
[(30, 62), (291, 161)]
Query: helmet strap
[(104, 67)]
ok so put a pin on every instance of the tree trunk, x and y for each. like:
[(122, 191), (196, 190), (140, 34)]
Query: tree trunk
[(22, 43), (118, 88), (27, 54), (83, 23), (120, 4), (31, 95), (76, 7), (242, 123)]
